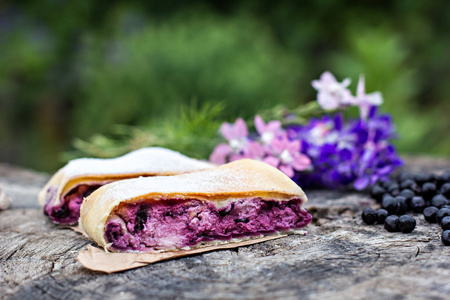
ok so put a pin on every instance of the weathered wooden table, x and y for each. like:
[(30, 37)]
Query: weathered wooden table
[(340, 258)]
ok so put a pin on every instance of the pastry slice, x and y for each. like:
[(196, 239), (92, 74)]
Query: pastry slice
[(64, 193), (230, 203)]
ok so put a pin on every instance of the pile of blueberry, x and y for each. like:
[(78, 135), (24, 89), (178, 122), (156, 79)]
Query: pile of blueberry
[(423, 193)]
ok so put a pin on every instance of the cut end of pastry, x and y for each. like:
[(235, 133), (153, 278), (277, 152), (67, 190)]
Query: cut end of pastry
[(171, 224), (63, 194)]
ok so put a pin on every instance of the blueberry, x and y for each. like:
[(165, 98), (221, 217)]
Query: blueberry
[(417, 204), (381, 215), (389, 204), (445, 190), (443, 212), (429, 214), (439, 201), (428, 190), (377, 192), (442, 179), (421, 178), (391, 224), (446, 238), (61, 213), (393, 188), (406, 223), (386, 195), (445, 223), (402, 207), (385, 182), (407, 193), (369, 216), (403, 176), (141, 218), (243, 220), (409, 184), (226, 210)]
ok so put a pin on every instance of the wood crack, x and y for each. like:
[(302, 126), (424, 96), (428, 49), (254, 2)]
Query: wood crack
[(15, 251), (44, 291), (418, 251), (375, 261)]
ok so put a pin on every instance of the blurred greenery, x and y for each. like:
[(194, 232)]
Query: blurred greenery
[(193, 132), (73, 72)]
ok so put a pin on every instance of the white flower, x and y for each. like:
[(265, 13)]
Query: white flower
[(332, 94), (365, 101)]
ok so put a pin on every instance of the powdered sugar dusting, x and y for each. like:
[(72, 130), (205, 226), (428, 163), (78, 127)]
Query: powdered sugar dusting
[(146, 161), (240, 177)]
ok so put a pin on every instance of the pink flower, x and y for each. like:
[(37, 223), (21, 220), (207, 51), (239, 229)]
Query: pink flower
[(236, 131), (267, 131), (254, 150), (332, 94), (365, 101), (236, 135), (287, 157), (220, 154), (224, 152)]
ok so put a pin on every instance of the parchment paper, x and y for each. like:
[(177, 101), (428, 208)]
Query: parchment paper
[(97, 259)]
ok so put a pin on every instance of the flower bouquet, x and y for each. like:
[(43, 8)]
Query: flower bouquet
[(329, 151)]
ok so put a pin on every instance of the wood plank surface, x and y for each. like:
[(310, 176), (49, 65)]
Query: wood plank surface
[(340, 258)]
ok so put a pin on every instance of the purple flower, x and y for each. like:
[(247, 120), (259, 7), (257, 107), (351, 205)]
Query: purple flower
[(377, 162), (346, 152), (332, 94)]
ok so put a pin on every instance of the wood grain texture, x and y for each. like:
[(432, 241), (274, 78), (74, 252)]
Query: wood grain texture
[(339, 259)]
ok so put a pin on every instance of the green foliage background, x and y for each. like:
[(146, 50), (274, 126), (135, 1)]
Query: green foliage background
[(70, 71)]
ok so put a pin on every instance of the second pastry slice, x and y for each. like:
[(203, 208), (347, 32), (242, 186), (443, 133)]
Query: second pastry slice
[(63, 194)]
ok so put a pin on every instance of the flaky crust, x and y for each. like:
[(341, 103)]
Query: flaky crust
[(152, 161), (240, 179)]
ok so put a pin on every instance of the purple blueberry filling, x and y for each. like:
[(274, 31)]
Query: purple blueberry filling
[(68, 212), (169, 224)]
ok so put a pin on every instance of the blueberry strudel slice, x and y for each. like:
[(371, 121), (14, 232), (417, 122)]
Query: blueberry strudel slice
[(236, 201)]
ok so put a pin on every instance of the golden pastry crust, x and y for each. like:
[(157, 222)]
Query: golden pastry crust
[(153, 161), (240, 179)]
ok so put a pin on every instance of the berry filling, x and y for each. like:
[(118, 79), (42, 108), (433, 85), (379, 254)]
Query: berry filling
[(170, 224), (68, 212)]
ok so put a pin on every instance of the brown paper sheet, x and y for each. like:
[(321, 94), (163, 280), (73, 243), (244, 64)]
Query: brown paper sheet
[(79, 230), (96, 259)]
